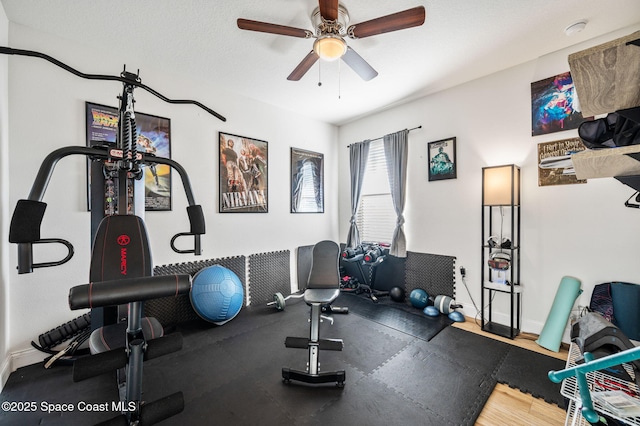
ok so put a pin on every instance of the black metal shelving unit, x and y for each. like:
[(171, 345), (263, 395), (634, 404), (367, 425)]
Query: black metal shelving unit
[(512, 289)]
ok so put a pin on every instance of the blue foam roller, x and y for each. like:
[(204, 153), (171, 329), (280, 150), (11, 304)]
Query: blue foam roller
[(551, 336)]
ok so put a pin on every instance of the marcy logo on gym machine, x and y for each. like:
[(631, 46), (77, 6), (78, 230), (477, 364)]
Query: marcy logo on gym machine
[(123, 240)]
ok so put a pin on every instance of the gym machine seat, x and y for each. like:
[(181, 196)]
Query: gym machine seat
[(323, 287)]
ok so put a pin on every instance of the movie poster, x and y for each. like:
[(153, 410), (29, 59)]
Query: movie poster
[(243, 174), (554, 105), (307, 181), (154, 137)]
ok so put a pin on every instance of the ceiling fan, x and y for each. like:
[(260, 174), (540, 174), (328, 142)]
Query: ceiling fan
[(330, 21)]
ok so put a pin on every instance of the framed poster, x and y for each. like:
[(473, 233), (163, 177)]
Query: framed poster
[(307, 181), (442, 159), (554, 162), (243, 176), (154, 136), (554, 105)]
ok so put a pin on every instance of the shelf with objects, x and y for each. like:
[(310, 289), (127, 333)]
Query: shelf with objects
[(606, 394), (500, 268), (601, 376)]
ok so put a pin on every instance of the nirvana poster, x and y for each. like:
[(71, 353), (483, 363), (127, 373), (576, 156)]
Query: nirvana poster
[(243, 174)]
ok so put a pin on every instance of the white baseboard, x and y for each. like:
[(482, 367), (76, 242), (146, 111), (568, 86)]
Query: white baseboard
[(5, 370), (19, 359), (532, 327)]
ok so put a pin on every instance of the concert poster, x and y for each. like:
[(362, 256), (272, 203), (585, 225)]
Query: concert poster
[(243, 174)]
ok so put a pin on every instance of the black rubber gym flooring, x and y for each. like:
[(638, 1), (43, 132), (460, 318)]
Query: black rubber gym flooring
[(231, 375)]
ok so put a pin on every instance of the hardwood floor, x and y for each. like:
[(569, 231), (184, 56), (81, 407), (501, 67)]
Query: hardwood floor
[(507, 406)]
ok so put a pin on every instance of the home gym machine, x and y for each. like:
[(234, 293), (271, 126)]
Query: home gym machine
[(121, 268)]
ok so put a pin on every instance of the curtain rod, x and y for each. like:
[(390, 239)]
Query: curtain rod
[(382, 137)]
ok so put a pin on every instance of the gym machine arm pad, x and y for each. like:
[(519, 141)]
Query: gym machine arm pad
[(196, 219), (119, 292), (27, 216), (26, 221)]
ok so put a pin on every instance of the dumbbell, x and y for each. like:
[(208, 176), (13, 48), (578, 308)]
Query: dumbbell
[(348, 253), (372, 254), (279, 300)]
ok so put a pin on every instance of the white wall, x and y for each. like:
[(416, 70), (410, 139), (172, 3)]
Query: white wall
[(4, 204), (47, 112), (579, 230)]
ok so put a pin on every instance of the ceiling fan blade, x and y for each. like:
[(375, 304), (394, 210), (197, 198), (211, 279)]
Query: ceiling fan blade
[(303, 66), (329, 9), (265, 27), (394, 22), (359, 65)]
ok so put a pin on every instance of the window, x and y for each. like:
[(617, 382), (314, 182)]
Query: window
[(376, 218)]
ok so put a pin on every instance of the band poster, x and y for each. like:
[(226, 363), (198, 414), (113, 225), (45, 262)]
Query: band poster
[(154, 137), (243, 174)]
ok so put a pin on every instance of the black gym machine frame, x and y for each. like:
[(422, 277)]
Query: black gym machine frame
[(112, 288)]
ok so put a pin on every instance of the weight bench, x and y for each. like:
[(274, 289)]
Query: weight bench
[(323, 287)]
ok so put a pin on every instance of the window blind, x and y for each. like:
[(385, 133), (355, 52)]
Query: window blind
[(376, 217)]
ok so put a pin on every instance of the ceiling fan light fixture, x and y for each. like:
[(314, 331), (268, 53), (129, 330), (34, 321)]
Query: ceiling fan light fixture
[(330, 47)]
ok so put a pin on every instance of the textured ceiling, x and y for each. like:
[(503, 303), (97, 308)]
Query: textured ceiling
[(461, 40)]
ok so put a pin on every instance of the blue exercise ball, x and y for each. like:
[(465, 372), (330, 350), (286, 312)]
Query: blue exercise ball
[(419, 298), (216, 294)]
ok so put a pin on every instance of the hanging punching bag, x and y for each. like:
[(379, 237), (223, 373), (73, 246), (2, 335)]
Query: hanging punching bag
[(567, 293)]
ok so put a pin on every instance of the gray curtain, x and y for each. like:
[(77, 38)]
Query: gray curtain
[(358, 156), (395, 151)]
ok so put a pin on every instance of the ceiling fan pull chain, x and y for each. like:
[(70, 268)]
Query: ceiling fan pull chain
[(319, 73), (339, 79)]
